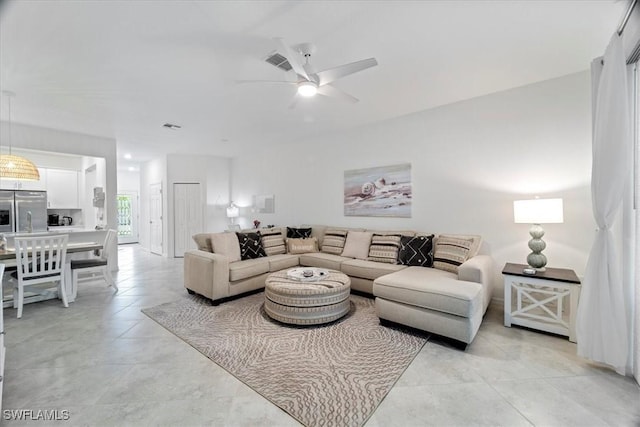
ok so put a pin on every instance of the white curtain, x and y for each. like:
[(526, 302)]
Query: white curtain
[(602, 319)]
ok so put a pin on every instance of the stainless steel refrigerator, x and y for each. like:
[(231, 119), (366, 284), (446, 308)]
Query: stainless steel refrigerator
[(21, 210)]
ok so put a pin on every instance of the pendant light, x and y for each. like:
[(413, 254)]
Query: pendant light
[(16, 167)]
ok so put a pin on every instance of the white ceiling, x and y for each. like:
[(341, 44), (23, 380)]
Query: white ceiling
[(121, 69)]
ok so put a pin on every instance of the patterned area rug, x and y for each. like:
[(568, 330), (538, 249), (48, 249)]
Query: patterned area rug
[(328, 375)]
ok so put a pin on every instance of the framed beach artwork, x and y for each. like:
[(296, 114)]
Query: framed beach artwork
[(379, 191)]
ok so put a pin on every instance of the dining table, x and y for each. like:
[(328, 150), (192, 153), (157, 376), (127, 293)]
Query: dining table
[(8, 258)]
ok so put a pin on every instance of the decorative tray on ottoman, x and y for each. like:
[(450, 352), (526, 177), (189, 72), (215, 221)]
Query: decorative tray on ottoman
[(308, 274)]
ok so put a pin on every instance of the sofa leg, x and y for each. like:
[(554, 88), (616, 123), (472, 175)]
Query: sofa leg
[(190, 292)]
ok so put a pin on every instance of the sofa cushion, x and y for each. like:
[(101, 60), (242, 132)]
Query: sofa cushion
[(322, 260), (203, 241), (273, 241), (430, 288), (226, 244), (368, 269), (451, 252), (384, 248), (333, 241), (250, 246), (248, 268), (298, 233), (357, 244), (302, 246), (416, 251), (282, 261)]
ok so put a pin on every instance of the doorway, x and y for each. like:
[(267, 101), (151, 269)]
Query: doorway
[(155, 218), (127, 217)]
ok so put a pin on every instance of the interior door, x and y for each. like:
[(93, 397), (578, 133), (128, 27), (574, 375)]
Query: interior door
[(155, 218), (187, 216)]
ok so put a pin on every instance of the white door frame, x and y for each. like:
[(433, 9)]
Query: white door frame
[(156, 237)]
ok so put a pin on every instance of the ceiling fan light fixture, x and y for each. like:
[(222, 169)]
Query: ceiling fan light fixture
[(307, 89)]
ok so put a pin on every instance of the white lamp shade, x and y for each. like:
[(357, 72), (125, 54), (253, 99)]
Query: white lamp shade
[(538, 211), (232, 211)]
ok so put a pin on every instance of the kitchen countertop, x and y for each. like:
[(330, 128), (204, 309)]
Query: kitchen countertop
[(57, 230)]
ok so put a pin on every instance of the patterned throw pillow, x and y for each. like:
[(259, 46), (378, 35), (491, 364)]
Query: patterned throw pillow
[(416, 251), (298, 233), (302, 246), (385, 248), (250, 245), (273, 242), (451, 253), (333, 242)]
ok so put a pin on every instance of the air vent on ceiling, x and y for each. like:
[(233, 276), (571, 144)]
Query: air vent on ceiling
[(279, 61), (171, 126)]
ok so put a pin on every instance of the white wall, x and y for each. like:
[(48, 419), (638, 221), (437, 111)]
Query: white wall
[(470, 160), (129, 181)]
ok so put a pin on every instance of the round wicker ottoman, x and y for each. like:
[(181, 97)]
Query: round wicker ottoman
[(296, 302)]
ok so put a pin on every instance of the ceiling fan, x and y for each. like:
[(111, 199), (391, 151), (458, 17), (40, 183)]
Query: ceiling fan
[(308, 81)]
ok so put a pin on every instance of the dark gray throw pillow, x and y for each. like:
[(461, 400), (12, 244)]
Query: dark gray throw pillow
[(250, 245), (298, 233), (416, 251)]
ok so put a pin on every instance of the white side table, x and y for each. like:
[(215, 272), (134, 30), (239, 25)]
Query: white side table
[(540, 299)]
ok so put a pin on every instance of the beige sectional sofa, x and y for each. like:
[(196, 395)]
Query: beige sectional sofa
[(446, 303)]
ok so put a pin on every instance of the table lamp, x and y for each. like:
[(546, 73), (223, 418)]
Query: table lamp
[(232, 212), (536, 212)]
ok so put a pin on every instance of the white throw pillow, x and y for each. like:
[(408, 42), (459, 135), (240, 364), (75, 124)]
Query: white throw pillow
[(226, 244), (357, 244)]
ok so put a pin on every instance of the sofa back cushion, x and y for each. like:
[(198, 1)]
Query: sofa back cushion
[(203, 241), (226, 244), (384, 248), (273, 241), (416, 251), (333, 241), (357, 244), (302, 246), (451, 252)]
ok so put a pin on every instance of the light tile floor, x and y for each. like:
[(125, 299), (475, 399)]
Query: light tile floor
[(108, 364)]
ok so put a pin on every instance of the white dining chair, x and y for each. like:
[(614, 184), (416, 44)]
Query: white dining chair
[(39, 259), (94, 266)]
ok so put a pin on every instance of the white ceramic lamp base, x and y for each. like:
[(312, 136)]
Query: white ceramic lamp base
[(536, 259)]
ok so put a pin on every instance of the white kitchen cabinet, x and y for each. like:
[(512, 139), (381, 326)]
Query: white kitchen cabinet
[(62, 189), (14, 184)]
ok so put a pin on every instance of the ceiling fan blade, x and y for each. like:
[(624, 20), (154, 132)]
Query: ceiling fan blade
[(266, 81), (292, 57), (334, 92), (333, 74)]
